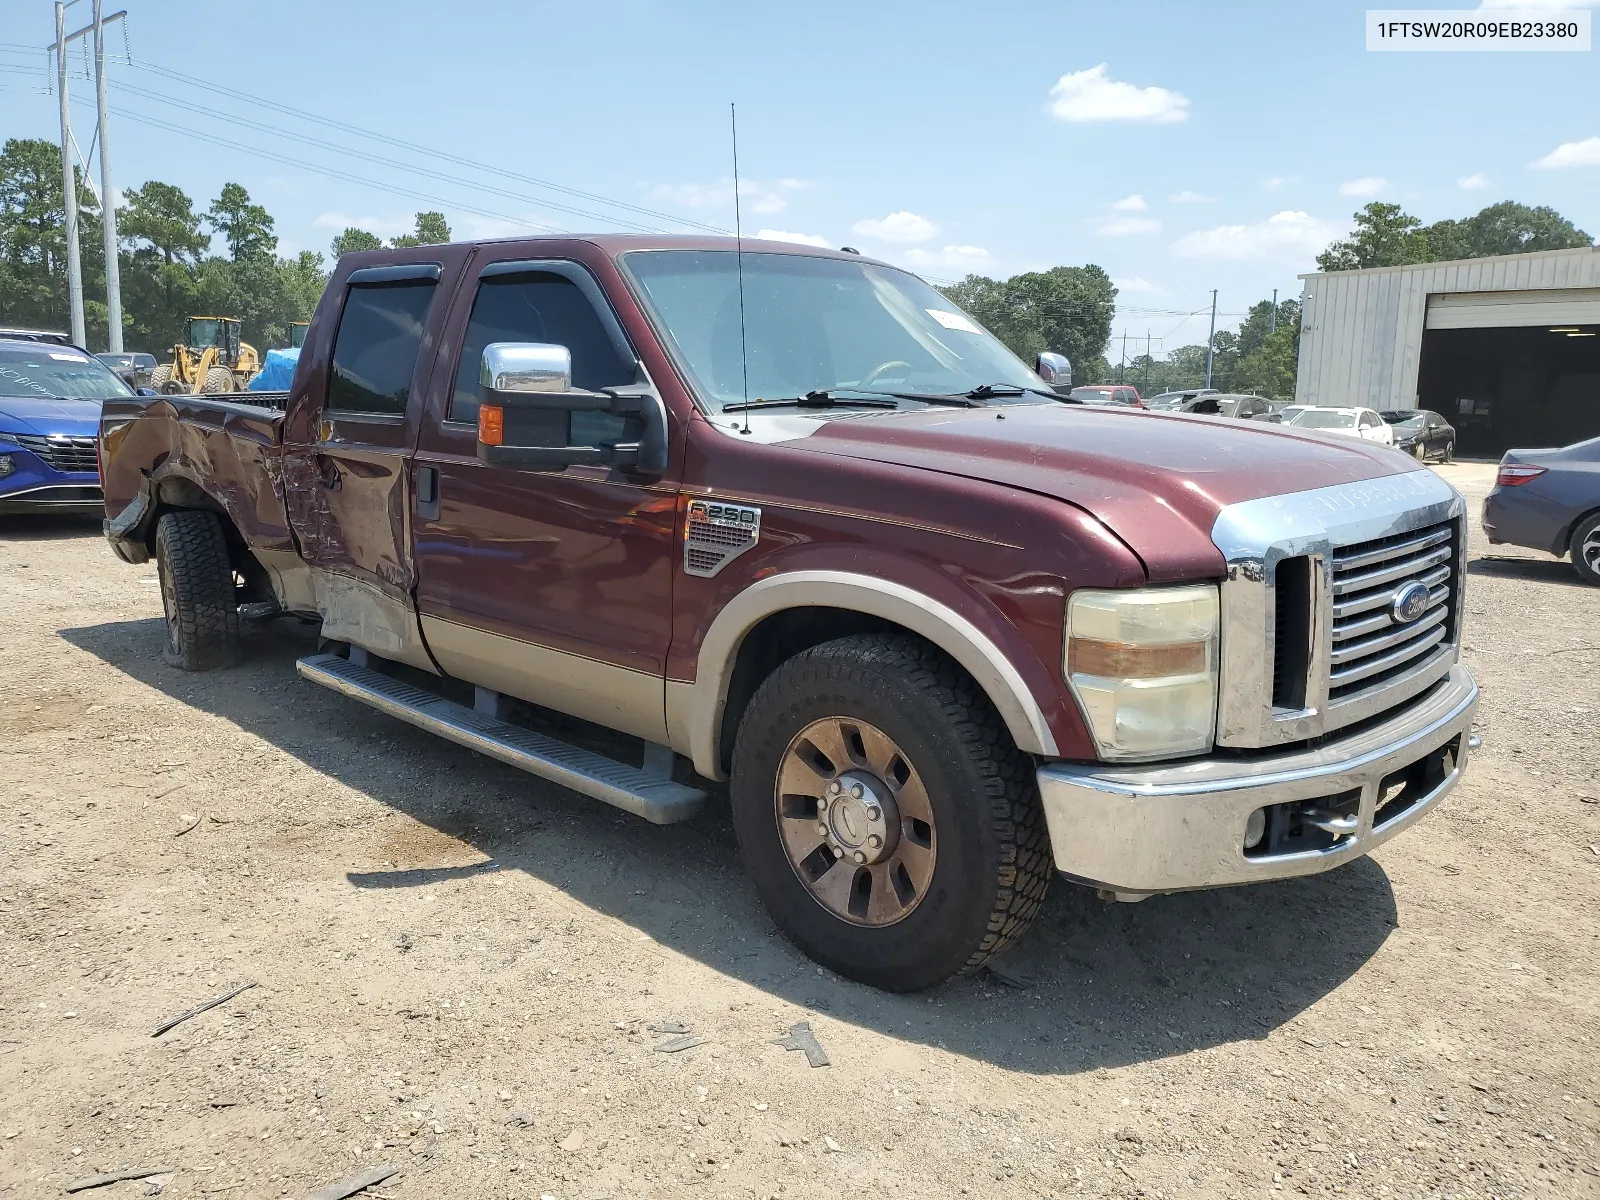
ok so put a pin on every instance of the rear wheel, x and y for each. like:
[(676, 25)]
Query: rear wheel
[(884, 816), (1586, 549), (1449, 452), (218, 381), (197, 591)]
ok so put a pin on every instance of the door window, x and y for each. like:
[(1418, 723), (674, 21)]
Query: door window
[(543, 307), (375, 353)]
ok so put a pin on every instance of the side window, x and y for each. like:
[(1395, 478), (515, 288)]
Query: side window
[(375, 352), (541, 307)]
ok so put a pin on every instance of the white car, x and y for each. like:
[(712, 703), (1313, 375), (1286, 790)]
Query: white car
[(1356, 422)]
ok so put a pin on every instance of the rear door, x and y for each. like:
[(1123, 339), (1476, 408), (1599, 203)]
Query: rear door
[(554, 586), (350, 431)]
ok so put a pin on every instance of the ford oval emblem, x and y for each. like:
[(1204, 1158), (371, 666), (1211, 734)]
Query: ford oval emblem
[(1410, 602)]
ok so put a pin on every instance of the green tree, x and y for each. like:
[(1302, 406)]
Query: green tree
[(1065, 309), (166, 238), (431, 230), (1385, 236), (353, 240), (163, 217), (246, 227), (33, 240)]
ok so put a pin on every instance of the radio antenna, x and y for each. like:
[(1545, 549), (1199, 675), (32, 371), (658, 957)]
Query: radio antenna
[(738, 255)]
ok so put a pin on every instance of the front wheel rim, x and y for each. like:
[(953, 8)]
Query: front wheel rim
[(855, 821)]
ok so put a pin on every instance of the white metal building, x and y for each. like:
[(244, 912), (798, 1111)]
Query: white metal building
[(1507, 349)]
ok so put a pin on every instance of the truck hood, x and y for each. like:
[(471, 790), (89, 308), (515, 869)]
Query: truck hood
[(75, 418), (1157, 481)]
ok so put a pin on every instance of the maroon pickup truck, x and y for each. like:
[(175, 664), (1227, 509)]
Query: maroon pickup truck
[(789, 519)]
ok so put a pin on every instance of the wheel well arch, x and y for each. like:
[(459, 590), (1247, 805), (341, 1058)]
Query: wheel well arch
[(783, 615), (1564, 544), (174, 493)]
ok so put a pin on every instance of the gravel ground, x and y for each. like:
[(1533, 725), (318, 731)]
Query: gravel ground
[(457, 966)]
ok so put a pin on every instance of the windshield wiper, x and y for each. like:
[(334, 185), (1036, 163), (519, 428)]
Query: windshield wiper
[(815, 399), (986, 391)]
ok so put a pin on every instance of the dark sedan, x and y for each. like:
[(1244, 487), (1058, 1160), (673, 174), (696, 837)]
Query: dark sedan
[(1421, 433), (1549, 500)]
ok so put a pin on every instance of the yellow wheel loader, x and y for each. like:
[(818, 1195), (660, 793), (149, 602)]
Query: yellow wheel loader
[(212, 359)]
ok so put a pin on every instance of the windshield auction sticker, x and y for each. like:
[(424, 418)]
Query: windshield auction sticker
[(1520, 29)]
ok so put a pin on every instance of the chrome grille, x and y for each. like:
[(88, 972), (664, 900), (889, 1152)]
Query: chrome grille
[(62, 452), (1370, 644)]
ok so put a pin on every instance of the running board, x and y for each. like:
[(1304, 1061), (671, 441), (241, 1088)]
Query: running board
[(653, 797)]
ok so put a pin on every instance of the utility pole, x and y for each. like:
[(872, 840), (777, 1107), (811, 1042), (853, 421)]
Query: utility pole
[(1122, 367), (1147, 360), (1273, 328), (69, 183), (108, 201), (108, 196), (1211, 338)]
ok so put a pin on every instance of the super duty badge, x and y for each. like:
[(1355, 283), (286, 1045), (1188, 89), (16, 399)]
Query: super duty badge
[(716, 533)]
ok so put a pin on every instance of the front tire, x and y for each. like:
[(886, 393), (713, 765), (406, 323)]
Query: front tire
[(884, 815), (219, 381), (1586, 549), (197, 591)]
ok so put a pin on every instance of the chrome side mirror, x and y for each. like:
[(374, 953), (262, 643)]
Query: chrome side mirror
[(1055, 370), (526, 367)]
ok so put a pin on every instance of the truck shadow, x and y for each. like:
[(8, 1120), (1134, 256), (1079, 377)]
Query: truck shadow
[(1093, 985), (1545, 570)]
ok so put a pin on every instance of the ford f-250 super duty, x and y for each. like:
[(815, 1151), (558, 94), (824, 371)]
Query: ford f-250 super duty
[(789, 516)]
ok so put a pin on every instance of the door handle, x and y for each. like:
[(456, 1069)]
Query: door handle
[(428, 493), (328, 472)]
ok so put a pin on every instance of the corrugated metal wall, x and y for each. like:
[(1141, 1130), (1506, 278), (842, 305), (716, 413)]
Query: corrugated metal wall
[(1361, 331)]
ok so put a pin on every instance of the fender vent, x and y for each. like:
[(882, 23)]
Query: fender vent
[(714, 534)]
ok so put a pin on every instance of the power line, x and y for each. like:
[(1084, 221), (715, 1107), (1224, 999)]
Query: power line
[(415, 148)]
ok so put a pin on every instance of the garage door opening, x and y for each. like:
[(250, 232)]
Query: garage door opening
[(1513, 386)]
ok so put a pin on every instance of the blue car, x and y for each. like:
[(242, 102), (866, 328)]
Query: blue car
[(49, 427)]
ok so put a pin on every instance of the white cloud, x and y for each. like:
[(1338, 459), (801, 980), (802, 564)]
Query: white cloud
[(1133, 203), (897, 227), (754, 195), (1364, 188), (1091, 95), (1188, 197), (1275, 183), (1571, 154), (1475, 182), (1289, 237), (1139, 284), (783, 235), (950, 258), (1126, 226)]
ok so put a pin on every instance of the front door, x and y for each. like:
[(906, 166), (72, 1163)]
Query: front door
[(345, 452), (554, 586)]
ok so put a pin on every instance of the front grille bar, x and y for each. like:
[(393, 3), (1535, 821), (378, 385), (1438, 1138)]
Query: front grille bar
[(1344, 585)]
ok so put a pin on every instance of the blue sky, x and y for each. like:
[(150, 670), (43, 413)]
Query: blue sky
[(1181, 146)]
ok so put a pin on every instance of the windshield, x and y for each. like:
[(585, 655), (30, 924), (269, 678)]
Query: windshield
[(1405, 420), (817, 324), (203, 332), (45, 372), (1322, 418), (1176, 401)]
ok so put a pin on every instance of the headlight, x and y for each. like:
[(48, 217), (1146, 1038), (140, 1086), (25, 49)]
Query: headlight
[(1143, 666), (6, 465)]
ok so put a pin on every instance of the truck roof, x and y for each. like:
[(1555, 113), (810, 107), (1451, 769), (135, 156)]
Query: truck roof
[(613, 244)]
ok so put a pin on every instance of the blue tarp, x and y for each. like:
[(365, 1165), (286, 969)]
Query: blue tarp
[(277, 373)]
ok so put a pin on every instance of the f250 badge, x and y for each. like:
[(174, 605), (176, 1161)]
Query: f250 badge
[(715, 533)]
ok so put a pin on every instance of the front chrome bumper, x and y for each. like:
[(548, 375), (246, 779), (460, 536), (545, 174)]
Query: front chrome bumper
[(1177, 827)]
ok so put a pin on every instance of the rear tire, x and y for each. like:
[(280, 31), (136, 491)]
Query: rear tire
[(197, 591), (1586, 549), (979, 863), (218, 381), (1449, 452)]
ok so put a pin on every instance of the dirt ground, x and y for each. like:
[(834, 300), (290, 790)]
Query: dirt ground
[(456, 965)]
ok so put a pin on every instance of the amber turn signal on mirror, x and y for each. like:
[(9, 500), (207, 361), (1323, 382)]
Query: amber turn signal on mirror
[(491, 424)]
